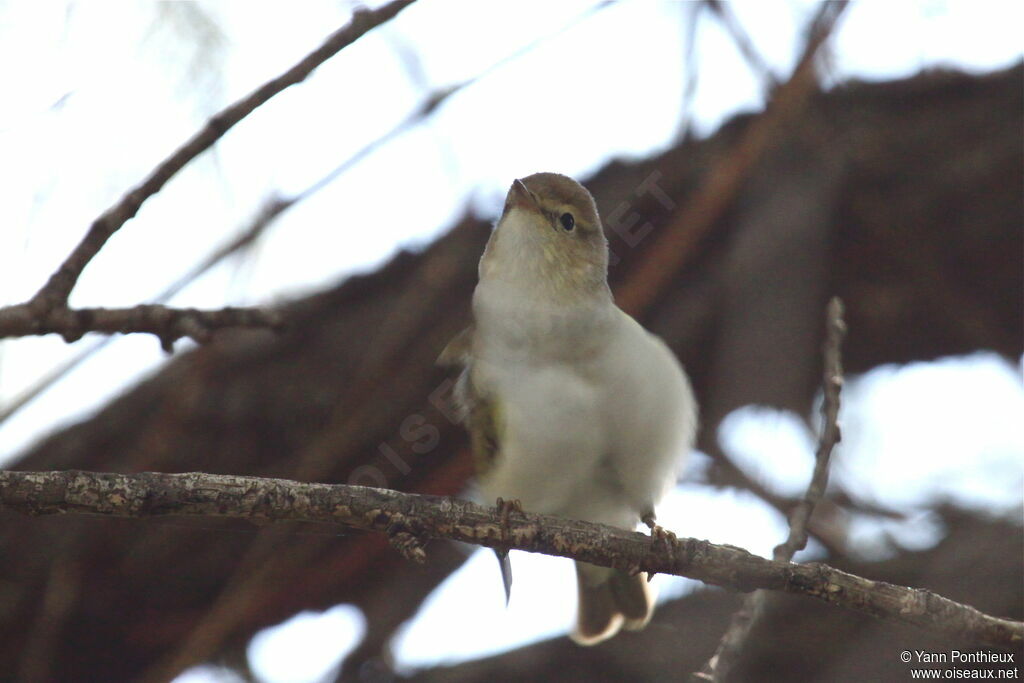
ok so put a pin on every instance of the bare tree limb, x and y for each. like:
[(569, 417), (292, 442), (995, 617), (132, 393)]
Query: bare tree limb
[(172, 324), (168, 324), (727, 654), (246, 238), (403, 515), (54, 294)]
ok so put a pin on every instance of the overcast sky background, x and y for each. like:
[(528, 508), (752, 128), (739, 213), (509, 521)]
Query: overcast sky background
[(93, 108)]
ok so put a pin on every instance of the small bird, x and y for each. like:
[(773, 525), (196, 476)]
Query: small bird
[(573, 408)]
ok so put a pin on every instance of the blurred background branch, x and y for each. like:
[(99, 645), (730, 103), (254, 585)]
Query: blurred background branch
[(730, 648)]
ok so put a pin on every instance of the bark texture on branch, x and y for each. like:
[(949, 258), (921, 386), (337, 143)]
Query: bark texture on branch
[(168, 324), (794, 639), (422, 517)]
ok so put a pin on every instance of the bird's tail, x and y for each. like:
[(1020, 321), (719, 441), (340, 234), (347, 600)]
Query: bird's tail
[(609, 600)]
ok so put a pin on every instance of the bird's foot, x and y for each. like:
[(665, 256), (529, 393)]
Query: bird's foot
[(405, 538), (658, 532)]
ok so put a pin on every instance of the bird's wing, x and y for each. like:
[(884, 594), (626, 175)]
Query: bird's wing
[(477, 410), (480, 413), (459, 350)]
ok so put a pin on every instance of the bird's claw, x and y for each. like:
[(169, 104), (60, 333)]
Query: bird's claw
[(658, 532), (406, 540)]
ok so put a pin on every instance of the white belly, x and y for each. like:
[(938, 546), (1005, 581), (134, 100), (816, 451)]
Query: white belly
[(599, 439)]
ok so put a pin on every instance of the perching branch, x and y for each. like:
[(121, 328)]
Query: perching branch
[(54, 294), (727, 654), (407, 516), (168, 324)]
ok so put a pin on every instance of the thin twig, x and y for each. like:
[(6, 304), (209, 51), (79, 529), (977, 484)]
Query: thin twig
[(690, 66), (54, 294), (726, 656), (724, 13), (271, 209), (261, 500), (168, 324)]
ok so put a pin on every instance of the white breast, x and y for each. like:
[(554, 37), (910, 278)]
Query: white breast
[(595, 412)]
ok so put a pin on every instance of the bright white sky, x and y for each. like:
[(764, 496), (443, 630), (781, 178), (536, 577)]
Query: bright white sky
[(97, 108)]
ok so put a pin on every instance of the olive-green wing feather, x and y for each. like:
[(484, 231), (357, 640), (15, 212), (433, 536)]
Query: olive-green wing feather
[(481, 415), (477, 410)]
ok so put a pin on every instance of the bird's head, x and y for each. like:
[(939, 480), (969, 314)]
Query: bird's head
[(551, 234)]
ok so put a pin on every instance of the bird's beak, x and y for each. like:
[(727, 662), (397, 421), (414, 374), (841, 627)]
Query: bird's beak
[(520, 197)]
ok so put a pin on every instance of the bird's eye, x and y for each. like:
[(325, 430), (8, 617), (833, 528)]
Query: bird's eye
[(567, 221)]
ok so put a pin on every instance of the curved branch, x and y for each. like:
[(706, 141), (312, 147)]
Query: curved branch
[(54, 294), (407, 516)]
